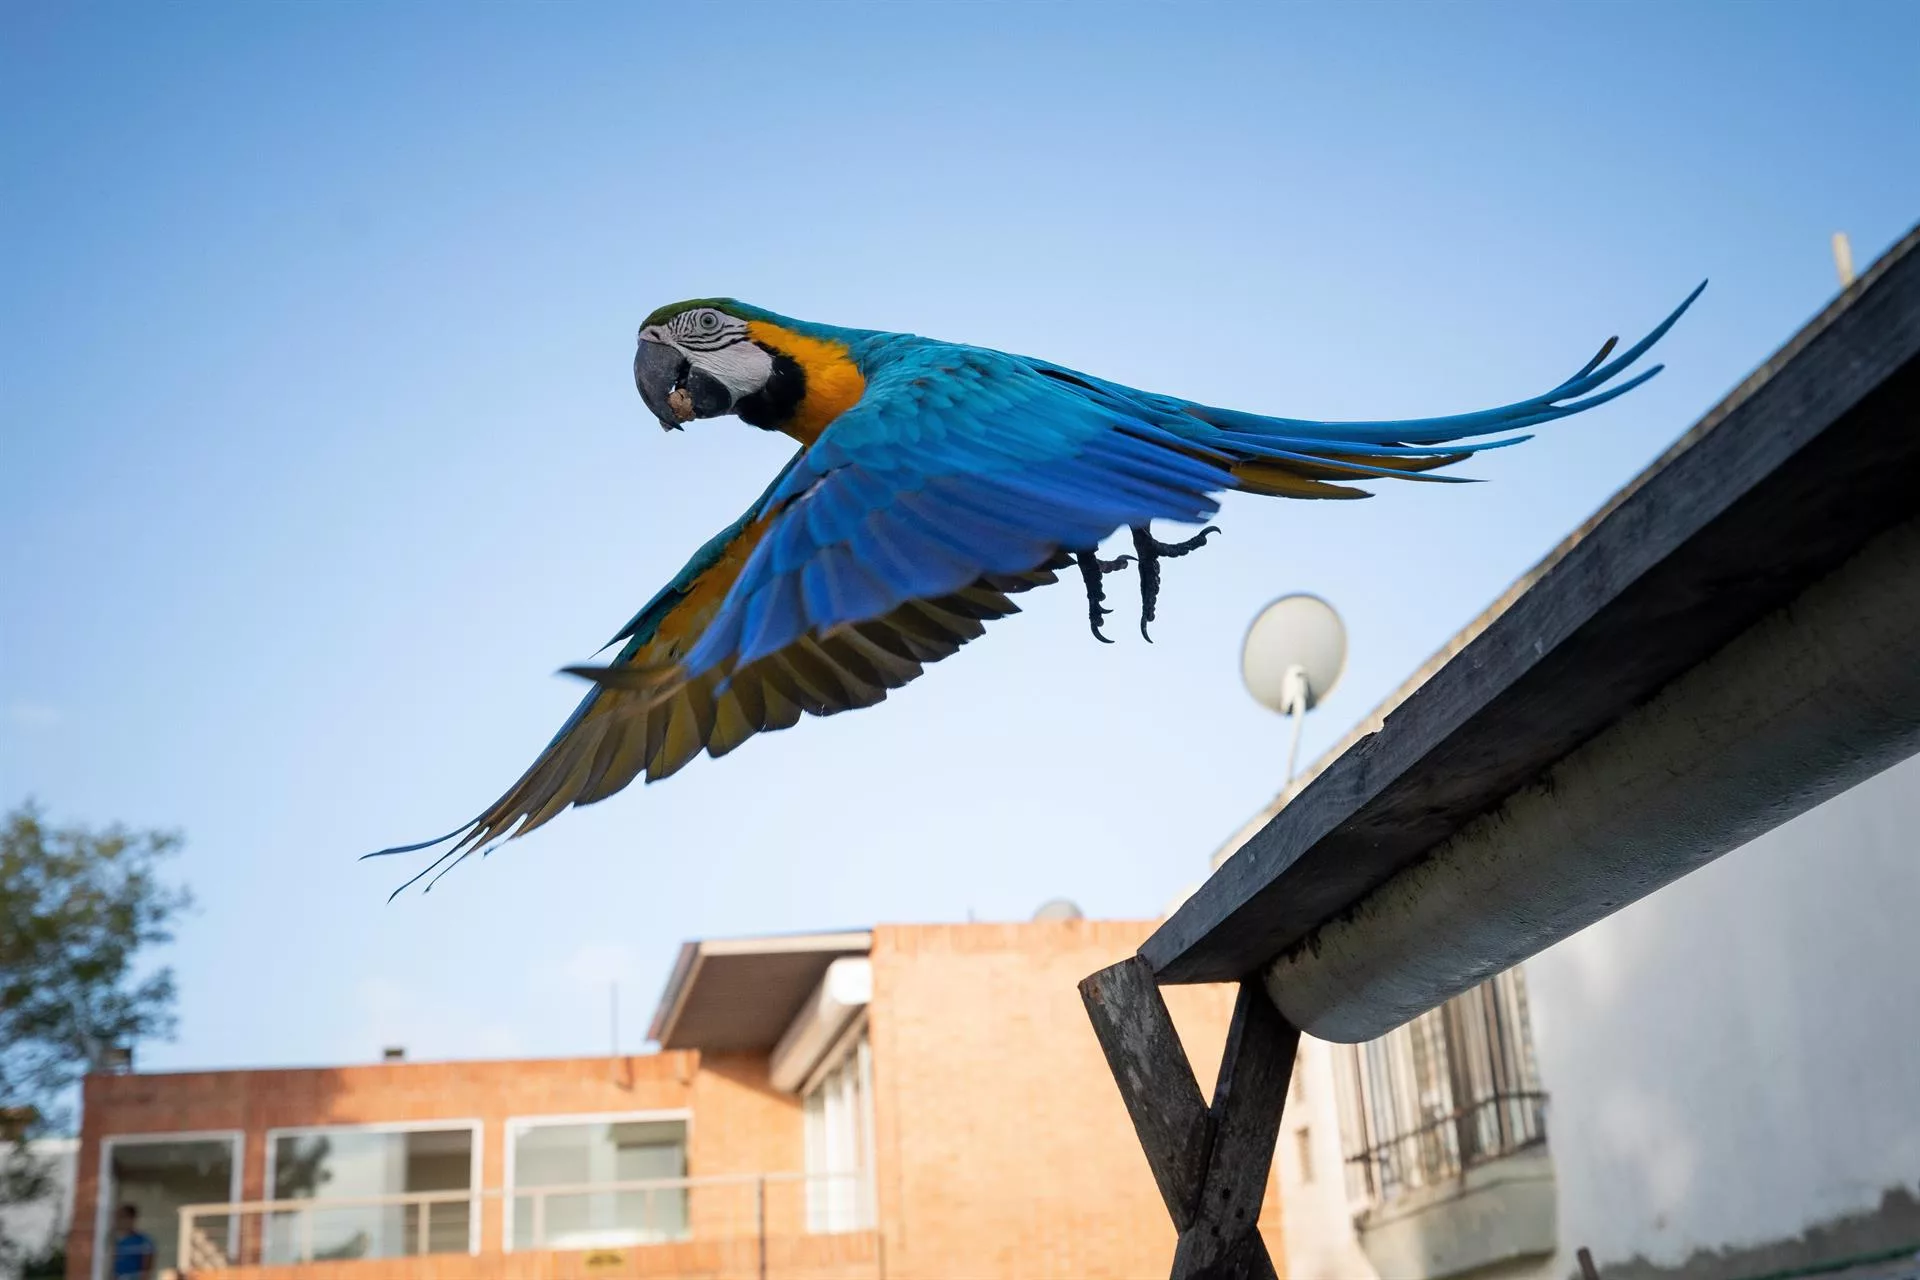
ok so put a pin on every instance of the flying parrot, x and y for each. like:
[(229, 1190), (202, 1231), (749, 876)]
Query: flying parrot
[(934, 481)]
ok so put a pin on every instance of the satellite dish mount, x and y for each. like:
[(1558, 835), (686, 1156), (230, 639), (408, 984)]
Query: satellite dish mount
[(1294, 654)]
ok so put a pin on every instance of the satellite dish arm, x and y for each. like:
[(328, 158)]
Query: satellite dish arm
[(1296, 696)]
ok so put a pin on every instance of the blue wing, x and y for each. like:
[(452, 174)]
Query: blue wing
[(957, 463)]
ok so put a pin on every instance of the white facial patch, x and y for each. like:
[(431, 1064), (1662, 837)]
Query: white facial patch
[(743, 368)]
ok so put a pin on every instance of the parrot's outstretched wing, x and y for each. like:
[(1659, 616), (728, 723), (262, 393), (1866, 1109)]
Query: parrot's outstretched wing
[(957, 462), (646, 713)]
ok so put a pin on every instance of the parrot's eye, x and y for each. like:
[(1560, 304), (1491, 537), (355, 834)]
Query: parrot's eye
[(709, 321)]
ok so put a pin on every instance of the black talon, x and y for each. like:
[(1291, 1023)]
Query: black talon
[(1092, 569), (1152, 551)]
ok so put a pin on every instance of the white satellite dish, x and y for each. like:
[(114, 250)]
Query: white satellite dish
[(1292, 659)]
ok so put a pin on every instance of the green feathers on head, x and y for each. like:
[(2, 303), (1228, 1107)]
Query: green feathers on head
[(738, 310)]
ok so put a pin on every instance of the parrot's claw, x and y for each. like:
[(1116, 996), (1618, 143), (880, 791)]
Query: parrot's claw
[(1092, 570), (1152, 551)]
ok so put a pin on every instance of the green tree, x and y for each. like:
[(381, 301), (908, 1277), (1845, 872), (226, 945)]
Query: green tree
[(79, 909)]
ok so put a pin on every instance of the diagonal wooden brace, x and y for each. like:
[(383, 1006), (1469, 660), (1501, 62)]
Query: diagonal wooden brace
[(1211, 1163)]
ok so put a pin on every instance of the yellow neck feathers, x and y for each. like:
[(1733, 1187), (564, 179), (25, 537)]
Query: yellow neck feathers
[(834, 383)]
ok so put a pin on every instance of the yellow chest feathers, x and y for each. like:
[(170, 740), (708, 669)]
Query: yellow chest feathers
[(833, 383)]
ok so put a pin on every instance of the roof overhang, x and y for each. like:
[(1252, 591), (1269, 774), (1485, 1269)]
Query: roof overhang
[(741, 994), (1732, 640), (822, 1023)]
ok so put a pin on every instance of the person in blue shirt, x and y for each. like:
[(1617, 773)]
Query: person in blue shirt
[(132, 1251)]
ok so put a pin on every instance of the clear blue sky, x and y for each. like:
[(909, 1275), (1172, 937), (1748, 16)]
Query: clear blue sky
[(319, 451)]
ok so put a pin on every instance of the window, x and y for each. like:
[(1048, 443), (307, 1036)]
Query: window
[(839, 1141), (597, 1181), (158, 1175), (1453, 1088), (401, 1191)]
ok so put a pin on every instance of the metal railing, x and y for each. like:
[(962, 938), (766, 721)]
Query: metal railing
[(588, 1215), (214, 1236), (1448, 1145)]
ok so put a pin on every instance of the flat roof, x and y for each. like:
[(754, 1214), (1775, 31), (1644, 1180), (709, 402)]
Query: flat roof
[(1812, 457), (738, 994)]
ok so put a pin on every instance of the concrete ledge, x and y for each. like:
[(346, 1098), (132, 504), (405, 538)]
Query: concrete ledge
[(1818, 697), (1498, 1212)]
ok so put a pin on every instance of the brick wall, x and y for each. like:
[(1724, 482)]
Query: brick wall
[(738, 1124), (1003, 1147)]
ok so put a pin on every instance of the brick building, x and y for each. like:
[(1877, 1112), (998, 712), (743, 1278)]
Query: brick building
[(905, 1102)]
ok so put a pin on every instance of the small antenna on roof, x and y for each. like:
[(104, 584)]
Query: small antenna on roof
[(1294, 654)]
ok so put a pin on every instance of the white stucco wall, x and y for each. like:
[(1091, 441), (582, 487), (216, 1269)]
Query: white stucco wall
[(1317, 1225), (1730, 1061), (1737, 1057)]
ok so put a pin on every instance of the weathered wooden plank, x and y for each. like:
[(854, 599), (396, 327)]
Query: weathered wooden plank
[(1224, 1238), (1248, 1259), (1156, 1082), (1798, 468)]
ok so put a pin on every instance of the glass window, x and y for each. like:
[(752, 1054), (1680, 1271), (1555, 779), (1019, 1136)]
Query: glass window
[(839, 1132), (1453, 1088), (159, 1175), (598, 1183), (424, 1175)]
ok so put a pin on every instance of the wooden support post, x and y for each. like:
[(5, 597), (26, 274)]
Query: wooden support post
[(1169, 1114), (1224, 1240), (1211, 1163)]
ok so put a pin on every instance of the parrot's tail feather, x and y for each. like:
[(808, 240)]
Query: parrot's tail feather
[(1279, 482), (1606, 349), (1576, 394), (1299, 458), (1347, 465)]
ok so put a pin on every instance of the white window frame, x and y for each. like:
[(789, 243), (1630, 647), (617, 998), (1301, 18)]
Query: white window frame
[(845, 1046), (476, 1127), (516, 1124), (103, 1211)]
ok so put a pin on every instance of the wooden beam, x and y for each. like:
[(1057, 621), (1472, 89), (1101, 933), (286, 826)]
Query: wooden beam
[(1149, 1064), (1224, 1239), (1211, 1164)]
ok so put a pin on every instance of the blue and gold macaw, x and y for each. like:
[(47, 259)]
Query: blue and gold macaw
[(934, 481)]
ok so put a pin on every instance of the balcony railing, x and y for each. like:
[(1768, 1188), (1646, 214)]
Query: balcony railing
[(1448, 1145), (597, 1215)]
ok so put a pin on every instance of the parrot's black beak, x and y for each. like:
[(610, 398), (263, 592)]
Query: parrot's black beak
[(673, 389), (659, 371)]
